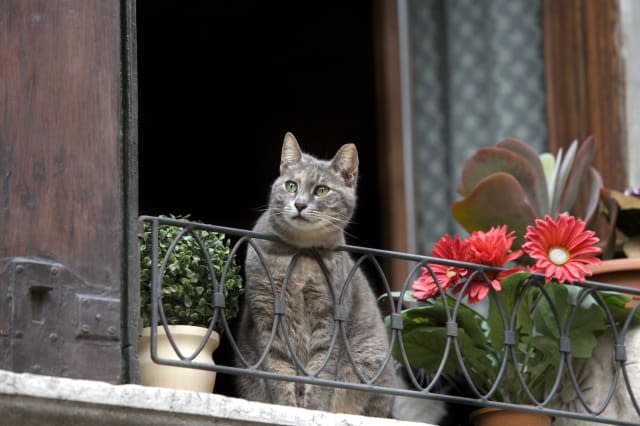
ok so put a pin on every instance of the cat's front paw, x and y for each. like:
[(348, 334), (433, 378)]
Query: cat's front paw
[(318, 397), (284, 393)]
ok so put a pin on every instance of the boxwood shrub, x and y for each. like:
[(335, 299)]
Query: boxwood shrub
[(187, 289)]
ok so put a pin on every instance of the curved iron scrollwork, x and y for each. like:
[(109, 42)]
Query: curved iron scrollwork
[(421, 384)]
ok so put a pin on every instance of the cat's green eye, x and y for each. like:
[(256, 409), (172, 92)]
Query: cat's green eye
[(321, 191), (291, 186)]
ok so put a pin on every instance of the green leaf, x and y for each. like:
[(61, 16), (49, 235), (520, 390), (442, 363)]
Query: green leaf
[(534, 160), (491, 160), (617, 303), (588, 200), (511, 287), (563, 168), (420, 354), (497, 200), (578, 174), (544, 365), (554, 180), (396, 294), (588, 321), (548, 165)]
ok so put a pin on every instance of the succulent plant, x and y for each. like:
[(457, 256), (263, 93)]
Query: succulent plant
[(187, 290), (510, 184)]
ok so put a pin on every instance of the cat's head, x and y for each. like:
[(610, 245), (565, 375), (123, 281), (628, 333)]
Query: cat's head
[(313, 200)]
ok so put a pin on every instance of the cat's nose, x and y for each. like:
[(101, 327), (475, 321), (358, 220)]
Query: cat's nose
[(300, 206)]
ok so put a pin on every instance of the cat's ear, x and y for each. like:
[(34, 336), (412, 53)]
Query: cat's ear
[(345, 162), (291, 153)]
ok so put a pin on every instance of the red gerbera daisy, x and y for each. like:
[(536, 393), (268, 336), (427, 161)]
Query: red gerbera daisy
[(446, 248), (491, 248), (478, 290), (562, 248)]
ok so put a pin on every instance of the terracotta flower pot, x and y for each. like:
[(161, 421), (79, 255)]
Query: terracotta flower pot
[(622, 272), (490, 416), (187, 338)]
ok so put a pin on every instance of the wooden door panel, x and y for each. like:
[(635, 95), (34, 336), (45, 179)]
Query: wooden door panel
[(62, 166)]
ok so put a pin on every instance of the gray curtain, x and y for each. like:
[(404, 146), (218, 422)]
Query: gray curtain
[(476, 76)]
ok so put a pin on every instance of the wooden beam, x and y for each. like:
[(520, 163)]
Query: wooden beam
[(584, 81), (387, 68)]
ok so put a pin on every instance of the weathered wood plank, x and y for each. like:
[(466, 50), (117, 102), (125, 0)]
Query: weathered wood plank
[(61, 148)]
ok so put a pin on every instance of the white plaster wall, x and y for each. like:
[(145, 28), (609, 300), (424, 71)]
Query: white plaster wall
[(630, 29)]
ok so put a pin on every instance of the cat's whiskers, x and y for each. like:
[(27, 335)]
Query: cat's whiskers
[(335, 222), (331, 218), (336, 215)]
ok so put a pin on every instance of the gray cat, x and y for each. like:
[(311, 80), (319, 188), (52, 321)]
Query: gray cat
[(311, 203)]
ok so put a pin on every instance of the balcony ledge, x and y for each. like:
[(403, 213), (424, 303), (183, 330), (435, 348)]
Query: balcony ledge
[(30, 400)]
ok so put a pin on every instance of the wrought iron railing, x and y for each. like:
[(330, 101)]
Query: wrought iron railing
[(425, 384)]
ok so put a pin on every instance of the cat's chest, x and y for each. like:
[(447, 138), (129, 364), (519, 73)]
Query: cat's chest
[(308, 273), (310, 280)]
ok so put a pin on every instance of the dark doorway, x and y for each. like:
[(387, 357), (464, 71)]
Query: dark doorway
[(220, 83)]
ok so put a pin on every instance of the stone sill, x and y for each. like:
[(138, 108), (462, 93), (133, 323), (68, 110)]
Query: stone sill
[(34, 400)]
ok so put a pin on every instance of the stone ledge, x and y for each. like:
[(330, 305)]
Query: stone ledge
[(28, 399)]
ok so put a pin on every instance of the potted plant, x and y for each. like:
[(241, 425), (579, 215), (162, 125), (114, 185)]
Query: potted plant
[(531, 214), (186, 300), (513, 354)]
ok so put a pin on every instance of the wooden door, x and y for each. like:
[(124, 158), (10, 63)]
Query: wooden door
[(68, 202)]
